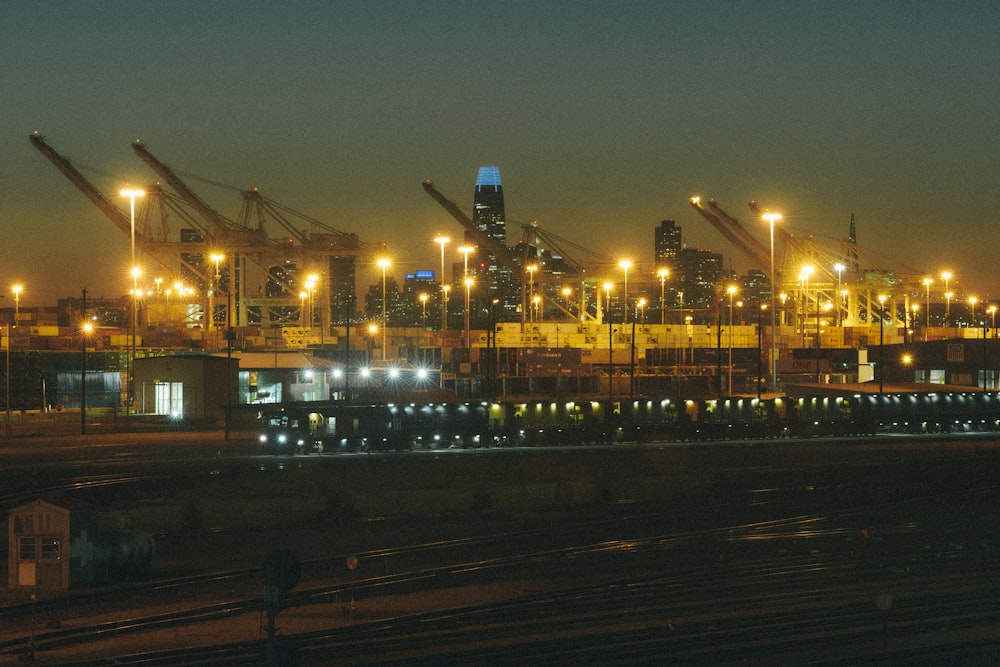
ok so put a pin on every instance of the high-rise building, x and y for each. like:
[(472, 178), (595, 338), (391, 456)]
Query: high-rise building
[(696, 274), (668, 243), (496, 281)]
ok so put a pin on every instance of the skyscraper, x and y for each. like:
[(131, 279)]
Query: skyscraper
[(697, 271), (495, 280), (668, 243)]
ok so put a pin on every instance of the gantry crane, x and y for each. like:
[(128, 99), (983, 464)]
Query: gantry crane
[(751, 241), (120, 219), (759, 260), (320, 245), (510, 261)]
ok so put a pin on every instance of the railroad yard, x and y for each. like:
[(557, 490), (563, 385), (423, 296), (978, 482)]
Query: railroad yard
[(782, 552)]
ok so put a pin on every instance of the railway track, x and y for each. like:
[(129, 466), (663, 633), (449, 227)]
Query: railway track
[(706, 588)]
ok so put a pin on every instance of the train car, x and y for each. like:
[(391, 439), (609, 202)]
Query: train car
[(318, 428), (445, 425)]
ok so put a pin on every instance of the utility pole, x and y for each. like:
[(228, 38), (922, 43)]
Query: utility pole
[(83, 367)]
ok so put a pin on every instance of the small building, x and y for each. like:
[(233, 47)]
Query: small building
[(51, 546), (187, 386)]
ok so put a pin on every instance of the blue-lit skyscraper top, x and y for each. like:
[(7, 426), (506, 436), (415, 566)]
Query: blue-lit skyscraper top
[(496, 280), (488, 177)]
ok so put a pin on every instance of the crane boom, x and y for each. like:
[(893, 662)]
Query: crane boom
[(759, 260), (485, 241), (120, 219), (748, 238), (213, 217)]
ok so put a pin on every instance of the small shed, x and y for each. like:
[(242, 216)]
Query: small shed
[(51, 546), (187, 386)]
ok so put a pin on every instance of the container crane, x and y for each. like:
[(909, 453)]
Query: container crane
[(749, 239), (504, 256), (759, 260), (120, 219), (215, 219)]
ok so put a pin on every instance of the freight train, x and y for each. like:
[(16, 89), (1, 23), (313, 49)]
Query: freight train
[(337, 427)]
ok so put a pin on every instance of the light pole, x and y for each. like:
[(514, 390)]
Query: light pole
[(216, 258), (946, 277), (465, 250), (806, 272), (423, 306), (839, 268), (85, 330), (972, 302), (732, 292), (443, 241), (663, 273), (132, 193), (881, 344), (625, 265), (468, 292), (531, 268), (992, 310), (927, 316), (771, 219), (640, 307), (611, 344), (311, 281), (760, 309), (383, 263), (444, 306), (17, 302)]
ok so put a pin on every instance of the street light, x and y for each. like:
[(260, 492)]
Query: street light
[(640, 307), (465, 250), (946, 276), (881, 344), (85, 330), (927, 315), (625, 265), (372, 330), (972, 302), (760, 309), (132, 193), (530, 268), (663, 273), (804, 276), (468, 292), (608, 286), (839, 268), (311, 281), (17, 302), (992, 310), (444, 307), (771, 219), (216, 258), (731, 290), (443, 240), (423, 305), (383, 263)]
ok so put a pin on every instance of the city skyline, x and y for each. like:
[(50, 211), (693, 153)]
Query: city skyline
[(603, 122)]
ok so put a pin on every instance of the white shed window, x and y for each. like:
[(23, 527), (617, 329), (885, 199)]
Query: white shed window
[(170, 398)]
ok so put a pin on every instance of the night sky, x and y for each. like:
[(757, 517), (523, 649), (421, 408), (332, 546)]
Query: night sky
[(604, 118)]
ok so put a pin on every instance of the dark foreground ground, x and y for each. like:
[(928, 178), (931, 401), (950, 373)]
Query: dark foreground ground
[(887, 512)]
